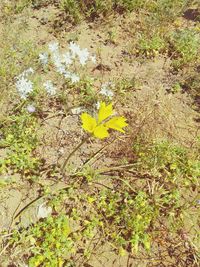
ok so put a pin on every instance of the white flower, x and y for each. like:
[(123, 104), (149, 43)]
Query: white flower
[(28, 71), (48, 85), (76, 111), (67, 75), (98, 105), (53, 47), (43, 57), (83, 56), (61, 69), (74, 48), (43, 211), (25, 73), (93, 59), (58, 63), (30, 108), (105, 91), (23, 86), (74, 78), (67, 60), (56, 59)]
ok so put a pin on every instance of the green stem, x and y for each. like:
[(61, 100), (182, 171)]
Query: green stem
[(72, 153), (20, 106), (97, 153)]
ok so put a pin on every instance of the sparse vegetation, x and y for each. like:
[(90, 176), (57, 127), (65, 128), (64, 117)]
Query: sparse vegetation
[(99, 133)]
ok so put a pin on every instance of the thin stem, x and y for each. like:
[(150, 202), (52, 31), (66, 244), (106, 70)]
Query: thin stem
[(20, 106), (97, 153), (72, 153)]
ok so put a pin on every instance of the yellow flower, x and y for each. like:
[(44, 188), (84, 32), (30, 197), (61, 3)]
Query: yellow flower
[(117, 123), (88, 122), (104, 111), (101, 131), (99, 128)]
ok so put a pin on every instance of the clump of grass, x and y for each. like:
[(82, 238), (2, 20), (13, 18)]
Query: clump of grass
[(169, 161), (20, 140), (51, 242), (19, 50), (163, 10), (191, 85), (130, 217), (72, 9), (167, 10), (185, 47), (15, 7), (151, 46)]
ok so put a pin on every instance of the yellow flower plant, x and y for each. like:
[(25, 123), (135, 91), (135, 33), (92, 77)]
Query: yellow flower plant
[(99, 127)]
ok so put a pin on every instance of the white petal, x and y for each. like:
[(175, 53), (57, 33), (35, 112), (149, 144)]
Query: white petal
[(53, 47), (76, 111), (43, 211)]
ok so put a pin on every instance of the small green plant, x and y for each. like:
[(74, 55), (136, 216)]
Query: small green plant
[(151, 46), (185, 45), (50, 241), (191, 85), (99, 8), (10, 7), (169, 160), (168, 10), (176, 88), (20, 139), (72, 9), (130, 218), (112, 36), (87, 95), (91, 10), (124, 86), (22, 51), (129, 5)]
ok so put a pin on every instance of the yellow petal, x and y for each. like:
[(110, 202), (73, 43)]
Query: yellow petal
[(117, 123), (88, 122), (104, 111), (101, 132)]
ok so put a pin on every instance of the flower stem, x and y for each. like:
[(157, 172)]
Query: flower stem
[(20, 106), (72, 153)]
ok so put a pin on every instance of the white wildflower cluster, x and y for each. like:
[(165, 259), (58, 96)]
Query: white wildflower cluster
[(82, 54), (67, 59), (105, 90), (43, 57), (62, 61), (23, 85), (49, 87)]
